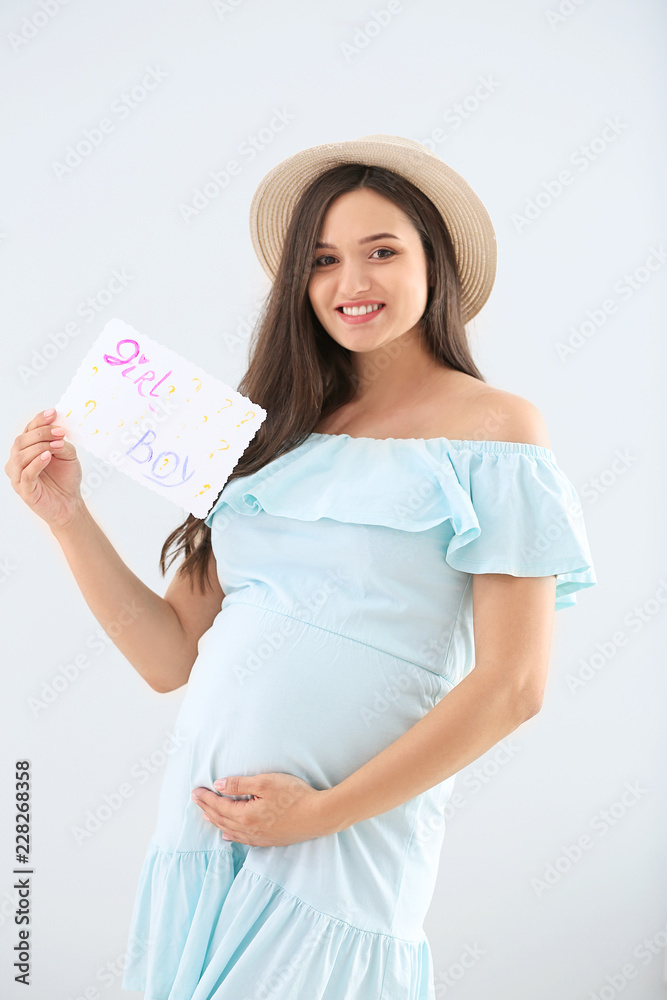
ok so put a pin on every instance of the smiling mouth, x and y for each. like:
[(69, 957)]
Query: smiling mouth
[(360, 318), (377, 307)]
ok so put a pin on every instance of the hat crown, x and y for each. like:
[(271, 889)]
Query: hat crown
[(398, 140)]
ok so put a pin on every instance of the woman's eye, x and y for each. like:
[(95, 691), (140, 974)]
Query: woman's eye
[(379, 250)]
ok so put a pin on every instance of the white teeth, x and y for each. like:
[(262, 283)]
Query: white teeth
[(360, 310)]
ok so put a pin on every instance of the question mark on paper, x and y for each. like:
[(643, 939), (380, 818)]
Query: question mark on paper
[(249, 415), (165, 462), (229, 403), (226, 444), (93, 406)]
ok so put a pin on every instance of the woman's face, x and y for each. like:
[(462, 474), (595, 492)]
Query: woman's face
[(390, 269)]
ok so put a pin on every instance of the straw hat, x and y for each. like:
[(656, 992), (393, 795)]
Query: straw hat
[(465, 216)]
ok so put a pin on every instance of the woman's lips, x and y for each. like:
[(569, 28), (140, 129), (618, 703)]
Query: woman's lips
[(355, 320)]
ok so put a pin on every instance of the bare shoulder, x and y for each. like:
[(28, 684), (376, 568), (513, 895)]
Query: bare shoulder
[(509, 417), (485, 413)]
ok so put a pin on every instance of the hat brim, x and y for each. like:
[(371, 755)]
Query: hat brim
[(467, 219)]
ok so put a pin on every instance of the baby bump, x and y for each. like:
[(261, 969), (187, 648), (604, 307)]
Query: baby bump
[(272, 693), (269, 692)]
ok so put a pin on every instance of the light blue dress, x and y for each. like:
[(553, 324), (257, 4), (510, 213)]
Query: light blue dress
[(346, 565)]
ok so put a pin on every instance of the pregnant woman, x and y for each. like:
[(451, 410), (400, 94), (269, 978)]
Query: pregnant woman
[(367, 608)]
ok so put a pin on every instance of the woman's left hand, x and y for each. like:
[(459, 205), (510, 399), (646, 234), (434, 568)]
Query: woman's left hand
[(284, 809)]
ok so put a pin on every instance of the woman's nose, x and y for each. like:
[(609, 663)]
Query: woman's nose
[(353, 279)]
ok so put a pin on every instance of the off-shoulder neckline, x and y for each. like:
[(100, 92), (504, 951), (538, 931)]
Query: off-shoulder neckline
[(517, 447)]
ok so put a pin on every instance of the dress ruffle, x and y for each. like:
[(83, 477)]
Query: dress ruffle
[(511, 507), (204, 907)]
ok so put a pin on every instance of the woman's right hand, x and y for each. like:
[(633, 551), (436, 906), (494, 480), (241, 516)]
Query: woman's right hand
[(50, 486)]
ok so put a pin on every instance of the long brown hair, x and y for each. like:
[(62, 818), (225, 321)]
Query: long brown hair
[(296, 371)]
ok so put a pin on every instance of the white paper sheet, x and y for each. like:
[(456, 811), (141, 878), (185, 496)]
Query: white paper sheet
[(158, 418)]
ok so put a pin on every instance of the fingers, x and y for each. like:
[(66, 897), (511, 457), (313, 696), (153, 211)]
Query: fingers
[(40, 420), (28, 479), (29, 455), (223, 824), (44, 432), (210, 804), (24, 463)]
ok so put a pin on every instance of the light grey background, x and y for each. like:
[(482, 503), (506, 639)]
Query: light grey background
[(550, 89)]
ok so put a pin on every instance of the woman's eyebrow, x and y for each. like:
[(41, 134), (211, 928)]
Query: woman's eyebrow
[(364, 239)]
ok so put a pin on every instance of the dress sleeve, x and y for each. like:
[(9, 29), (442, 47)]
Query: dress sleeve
[(526, 518)]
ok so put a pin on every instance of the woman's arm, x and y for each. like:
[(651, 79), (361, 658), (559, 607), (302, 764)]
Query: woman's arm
[(158, 635), (513, 624)]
